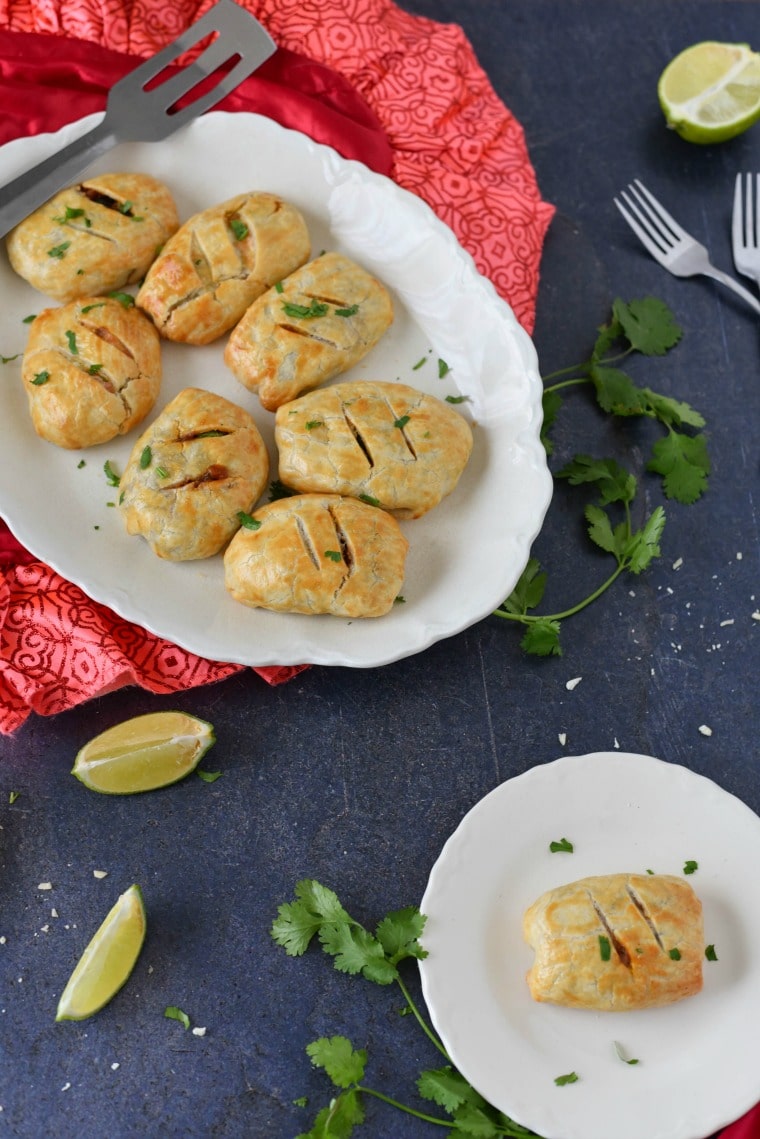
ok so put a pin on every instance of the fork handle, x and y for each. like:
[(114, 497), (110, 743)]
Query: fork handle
[(730, 283), (32, 189)]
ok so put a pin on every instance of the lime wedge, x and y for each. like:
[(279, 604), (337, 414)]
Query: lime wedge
[(710, 92), (107, 961), (143, 753)]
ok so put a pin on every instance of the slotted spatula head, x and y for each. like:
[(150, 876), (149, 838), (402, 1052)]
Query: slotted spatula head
[(151, 102)]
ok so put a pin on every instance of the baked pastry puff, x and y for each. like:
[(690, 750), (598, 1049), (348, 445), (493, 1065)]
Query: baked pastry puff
[(91, 370), (315, 325), (317, 553), (389, 443), (190, 475), (94, 237), (616, 942), (218, 262)]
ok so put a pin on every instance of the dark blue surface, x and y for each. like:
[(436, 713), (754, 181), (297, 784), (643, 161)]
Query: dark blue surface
[(358, 777)]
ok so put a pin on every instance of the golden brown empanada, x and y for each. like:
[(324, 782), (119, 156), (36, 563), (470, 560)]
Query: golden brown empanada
[(616, 942), (95, 237), (390, 443), (219, 261), (91, 370), (191, 473), (318, 553), (321, 321)]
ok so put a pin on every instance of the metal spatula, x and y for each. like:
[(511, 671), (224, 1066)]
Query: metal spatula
[(139, 112)]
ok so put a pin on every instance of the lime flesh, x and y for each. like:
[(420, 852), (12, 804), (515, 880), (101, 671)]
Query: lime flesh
[(107, 961), (710, 92), (143, 753)]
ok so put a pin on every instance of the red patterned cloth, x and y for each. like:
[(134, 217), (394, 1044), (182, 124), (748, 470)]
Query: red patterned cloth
[(403, 94)]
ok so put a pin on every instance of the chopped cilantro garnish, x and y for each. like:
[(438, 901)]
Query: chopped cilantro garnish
[(399, 600), (690, 866), (401, 421), (110, 473), (174, 1013), (247, 521), (562, 844), (59, 251), (28, 319), (145, 457), (89, 308), (710, 953), (40, 378), (418, 365), (13, 796), (239, 228), (162, 473), (71, 340), (125, 299), (369, 499), (569, 1078), (605, 948), (93, 369), (457, 398), (81, 464), (208, 776), (350, 311), (310, 424), (333, 555), (305, 312), (621, 1054), (278, 286), (443, 369), (9, 359), (675, 954)]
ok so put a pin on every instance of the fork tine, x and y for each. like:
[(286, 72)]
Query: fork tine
[(737, 217), (651, 247), (756, 214), (659, 211)]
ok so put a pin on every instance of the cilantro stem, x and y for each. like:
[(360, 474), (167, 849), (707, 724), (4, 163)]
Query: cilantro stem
[(403, 1106), (528, 618), (586, 365), (421, 1020), (567, 384)]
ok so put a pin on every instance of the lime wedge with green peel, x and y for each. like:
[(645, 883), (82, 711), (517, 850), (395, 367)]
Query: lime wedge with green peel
[(710, 92), (143, 753), (107, 961)]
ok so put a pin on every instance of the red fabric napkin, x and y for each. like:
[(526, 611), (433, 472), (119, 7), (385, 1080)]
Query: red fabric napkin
[(402, 94)]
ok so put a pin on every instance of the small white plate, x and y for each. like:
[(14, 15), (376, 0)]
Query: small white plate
[(465, 555), (698, 1067)]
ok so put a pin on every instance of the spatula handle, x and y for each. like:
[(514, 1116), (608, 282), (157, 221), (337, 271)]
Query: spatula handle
[(32, 189)]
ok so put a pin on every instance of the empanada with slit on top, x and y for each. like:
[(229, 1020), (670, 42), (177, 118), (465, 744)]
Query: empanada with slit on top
[(91, 371), (616, 942), (321, 321), (219, 261), (199, 466), (94, 237), (317, 554), (386, 442)]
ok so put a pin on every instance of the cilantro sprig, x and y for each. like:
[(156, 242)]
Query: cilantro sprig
[(316, 912), (680, 457)]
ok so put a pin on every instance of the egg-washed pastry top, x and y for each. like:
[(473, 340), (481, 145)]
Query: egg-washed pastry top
[(191, 474), (91, 371), (315, 325), (616, 942), (317, 553), (219, 261), (94, 237), (385, 442)]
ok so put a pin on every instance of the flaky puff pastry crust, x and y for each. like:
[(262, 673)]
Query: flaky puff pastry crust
[(400, 447), (318, 553), (280, 354), (191, 473), (219, 261), (91, 371), (651, 930), (94, 237)]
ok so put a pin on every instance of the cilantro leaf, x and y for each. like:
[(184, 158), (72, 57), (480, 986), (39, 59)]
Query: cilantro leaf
[(529, 590), (399, 931), (356, 951), (471, 1119), (338, 1119), (551, 403), (600, 529), (644, 545), (684, 464), (338, 1058), (444, 1086), (541, 638), (614, 483), (648, 325), (616, 392), (673, 412)]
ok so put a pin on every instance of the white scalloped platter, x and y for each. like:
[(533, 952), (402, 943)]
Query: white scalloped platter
[(465, 555), (697, 1064)]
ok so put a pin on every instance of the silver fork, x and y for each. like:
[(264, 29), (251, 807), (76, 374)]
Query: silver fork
[(669, 243), (745, 225)]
